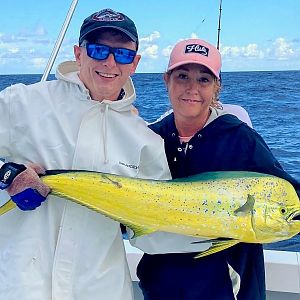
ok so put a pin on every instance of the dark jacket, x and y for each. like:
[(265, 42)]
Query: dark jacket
[(226, 144)]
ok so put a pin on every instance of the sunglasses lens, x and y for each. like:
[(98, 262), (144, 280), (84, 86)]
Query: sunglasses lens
[(124, 56), (101, 52)]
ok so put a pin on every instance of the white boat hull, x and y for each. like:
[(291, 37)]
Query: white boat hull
[(282, 273)]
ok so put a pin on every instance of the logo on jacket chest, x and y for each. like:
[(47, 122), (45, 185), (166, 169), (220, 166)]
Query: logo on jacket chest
[(128, 165)]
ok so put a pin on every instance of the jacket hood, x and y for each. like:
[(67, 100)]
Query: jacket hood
[(68, 71)]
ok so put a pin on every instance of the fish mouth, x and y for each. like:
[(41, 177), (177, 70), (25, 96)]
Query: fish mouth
[(295, 216)]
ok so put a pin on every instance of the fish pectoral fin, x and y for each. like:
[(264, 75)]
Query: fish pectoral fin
[(219, 240), (246, 208), (9, 205), (217, 246), (139, 230)]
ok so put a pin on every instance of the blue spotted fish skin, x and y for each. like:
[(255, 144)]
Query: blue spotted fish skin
[(221, 207)]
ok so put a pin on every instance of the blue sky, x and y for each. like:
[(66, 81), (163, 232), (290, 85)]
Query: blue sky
[(255, 35)]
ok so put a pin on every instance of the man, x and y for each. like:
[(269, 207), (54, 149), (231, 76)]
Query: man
[(82, 120)]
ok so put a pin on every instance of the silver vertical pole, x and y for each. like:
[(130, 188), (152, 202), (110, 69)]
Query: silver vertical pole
[(59, 40)]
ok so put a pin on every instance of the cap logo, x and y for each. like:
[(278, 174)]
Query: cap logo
[(196, 48), (107, 15)]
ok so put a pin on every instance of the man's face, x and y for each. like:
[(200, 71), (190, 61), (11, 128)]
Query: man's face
[(105, 78)]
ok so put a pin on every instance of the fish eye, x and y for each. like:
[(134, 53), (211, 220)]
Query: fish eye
[(283, 210)]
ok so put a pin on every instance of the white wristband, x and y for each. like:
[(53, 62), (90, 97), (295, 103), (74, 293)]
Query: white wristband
[(1, 163)]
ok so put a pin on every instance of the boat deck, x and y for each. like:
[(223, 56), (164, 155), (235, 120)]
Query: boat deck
[(282, 273)]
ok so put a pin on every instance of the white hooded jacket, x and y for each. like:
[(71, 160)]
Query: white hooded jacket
[(61, 250)]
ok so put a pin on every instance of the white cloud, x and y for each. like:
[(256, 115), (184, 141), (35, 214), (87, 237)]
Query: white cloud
[(152, 37), (252, 50), (14, 50), (30, 49), (150, 52), (282, 49), (39, 62), (148, 45), (229, 51), (167, 51), (38, 31), (279, 54), (194, 36), (248, 51)]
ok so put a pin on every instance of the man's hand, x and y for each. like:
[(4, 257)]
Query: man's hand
[(24, 185)]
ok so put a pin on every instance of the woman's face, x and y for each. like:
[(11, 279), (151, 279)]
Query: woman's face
[(191, 90)]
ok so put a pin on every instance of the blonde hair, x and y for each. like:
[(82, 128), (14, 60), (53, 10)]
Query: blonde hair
[(215, 102)]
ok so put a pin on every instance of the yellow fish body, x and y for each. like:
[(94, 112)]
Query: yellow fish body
[(228, 207)]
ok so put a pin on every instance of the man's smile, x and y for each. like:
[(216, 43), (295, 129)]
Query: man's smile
[(106, 75)]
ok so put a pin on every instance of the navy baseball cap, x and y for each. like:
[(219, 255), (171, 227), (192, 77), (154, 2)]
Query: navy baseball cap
[(108, 18)]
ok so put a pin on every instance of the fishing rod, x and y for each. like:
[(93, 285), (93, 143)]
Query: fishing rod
[(219, 31), (219, 25), (59, 40)]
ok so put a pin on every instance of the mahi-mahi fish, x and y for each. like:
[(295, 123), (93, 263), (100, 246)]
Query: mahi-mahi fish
[(224, 207)]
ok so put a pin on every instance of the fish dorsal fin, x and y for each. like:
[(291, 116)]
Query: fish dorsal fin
[(217, 246), (221, 175), (246, 208)]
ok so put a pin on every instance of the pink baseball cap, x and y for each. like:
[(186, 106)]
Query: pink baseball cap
[(195, 51)]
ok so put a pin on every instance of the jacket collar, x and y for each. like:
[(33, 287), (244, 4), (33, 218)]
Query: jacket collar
[(217, 125)]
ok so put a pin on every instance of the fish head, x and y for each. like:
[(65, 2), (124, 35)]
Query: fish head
[(276, 214)]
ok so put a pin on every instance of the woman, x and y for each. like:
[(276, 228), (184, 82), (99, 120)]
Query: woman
[(201, 137)]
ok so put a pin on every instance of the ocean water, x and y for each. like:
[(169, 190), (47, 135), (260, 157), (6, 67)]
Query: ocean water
[(272, 100)]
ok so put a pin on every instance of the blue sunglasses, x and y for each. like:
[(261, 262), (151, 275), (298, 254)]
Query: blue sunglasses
[(100, 52)]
